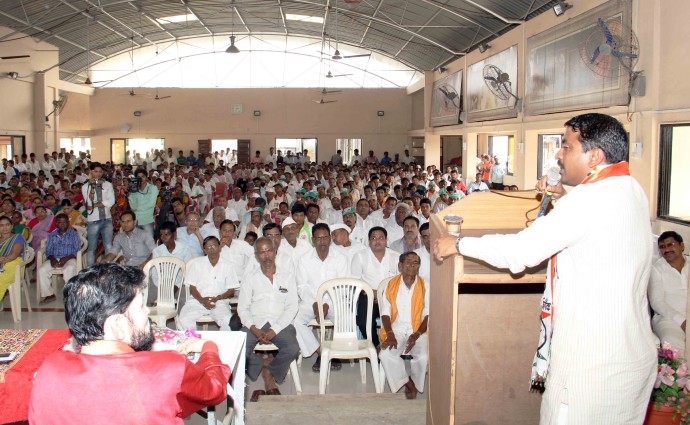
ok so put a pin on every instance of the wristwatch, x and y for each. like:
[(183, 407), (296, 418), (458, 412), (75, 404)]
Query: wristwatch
[(457, 244)]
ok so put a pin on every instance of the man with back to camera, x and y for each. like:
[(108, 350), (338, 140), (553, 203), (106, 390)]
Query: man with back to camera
[(600, 355), (99, 198), (115, 379), (668, 290)]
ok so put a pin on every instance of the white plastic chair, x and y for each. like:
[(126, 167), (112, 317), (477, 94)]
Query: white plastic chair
[(344, 293), (167, 270), (81, 230), (20, 282), (315, 325), (41, 257), (294, 371)]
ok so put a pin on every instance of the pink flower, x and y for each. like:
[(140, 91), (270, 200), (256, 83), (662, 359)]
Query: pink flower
[(666, 345), (682, 382), (666, 375), (682, 370), (676, 353)]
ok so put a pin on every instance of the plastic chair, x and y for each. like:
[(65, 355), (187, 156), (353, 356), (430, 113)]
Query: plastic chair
[(81, 230), (315, 325), (166, 270), (40, 258), (294, 371), (20, 281), (344, 293)]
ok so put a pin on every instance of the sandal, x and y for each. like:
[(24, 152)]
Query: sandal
[(48, 299), (256, 394), (273, 391), (316, 368), (336, 364)]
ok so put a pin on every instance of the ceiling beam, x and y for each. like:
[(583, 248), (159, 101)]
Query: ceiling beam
[(491, 12), (98, 21), (36, 27), (201, 21), (234, 8), (378, 7), (151, 19), (282, 16), (387, 23), (459, 15), (417, 31)]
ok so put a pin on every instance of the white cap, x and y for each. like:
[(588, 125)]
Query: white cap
[(288, 221), (340, 226), (270, 190)]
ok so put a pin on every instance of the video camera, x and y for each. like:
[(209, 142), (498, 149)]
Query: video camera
[(97, 183), (166, 196)]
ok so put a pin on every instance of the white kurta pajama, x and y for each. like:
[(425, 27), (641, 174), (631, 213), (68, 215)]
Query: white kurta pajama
[(603, 356), (393, 365), (668, 295)]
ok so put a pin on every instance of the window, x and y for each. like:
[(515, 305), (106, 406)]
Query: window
[(297, 146), (549, 144), (125, 150), (76, 144), (674, 174), (348, 147), (503, 147)]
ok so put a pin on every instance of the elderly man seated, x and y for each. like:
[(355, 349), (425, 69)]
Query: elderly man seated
[(267, 307), (404, 306), (212, 283), (62, 247)]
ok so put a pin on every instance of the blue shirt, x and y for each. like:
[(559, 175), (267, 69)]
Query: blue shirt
[(62, 246)]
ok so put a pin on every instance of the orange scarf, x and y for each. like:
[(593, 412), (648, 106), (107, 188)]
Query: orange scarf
[(417, 302), (613, 170)]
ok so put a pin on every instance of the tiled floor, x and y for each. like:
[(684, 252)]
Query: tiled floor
[(345, 381)]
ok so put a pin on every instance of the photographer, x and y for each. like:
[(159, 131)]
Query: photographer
[(99, 198), (142, 200)]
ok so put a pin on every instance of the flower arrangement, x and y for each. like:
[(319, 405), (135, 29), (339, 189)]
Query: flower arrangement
[(171, 337), (672, 386)]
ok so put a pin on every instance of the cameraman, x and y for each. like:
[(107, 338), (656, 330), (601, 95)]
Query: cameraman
[(143, 201), (99, 198)]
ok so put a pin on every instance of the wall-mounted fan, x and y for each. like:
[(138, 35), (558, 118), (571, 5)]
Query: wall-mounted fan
[(58, 106), (498, 82), (610, 48), (451, 98)]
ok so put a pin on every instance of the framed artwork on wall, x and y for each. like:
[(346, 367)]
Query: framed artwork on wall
[(584, 63), (446, 100), (492, 87)]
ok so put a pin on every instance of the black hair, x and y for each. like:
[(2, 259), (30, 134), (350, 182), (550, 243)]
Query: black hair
[(271, 226), (260, 202), (312, 206), (210, 238), (411, 217), (97, 293), (299, 208), (61, 216), (251, 235), (66, 203), (423, 227), (603, 132), (168, 225), (226, 221), (425, 201), (128, 212), (377, 229), (404, 256), (320, 226), (95, 165), (670, 234)]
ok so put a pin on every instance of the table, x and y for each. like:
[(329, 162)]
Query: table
[(16, 378), (232, 352)]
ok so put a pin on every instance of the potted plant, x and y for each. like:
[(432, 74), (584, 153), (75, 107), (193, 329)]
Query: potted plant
[(670, 403)]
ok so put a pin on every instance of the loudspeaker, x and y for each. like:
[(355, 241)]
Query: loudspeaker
[(639, 86)]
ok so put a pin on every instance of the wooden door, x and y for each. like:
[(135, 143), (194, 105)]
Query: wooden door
[(243, 154), (204, 146)]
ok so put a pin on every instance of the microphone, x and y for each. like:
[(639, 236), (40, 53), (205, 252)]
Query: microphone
[(553, 176)]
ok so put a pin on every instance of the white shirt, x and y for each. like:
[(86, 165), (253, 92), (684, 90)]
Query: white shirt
[(300, 249), (668, 290), (262, 301), (238, 254), (211, 280), (209, 229), (603, 350), (477, 187), (312, 272), (181, 251), (192, 241), (403, 322), (108, 199), (351, 250), (367, 267), (240, 206)]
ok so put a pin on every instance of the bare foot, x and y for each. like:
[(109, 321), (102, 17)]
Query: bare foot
[(410, 390), (269, 381)]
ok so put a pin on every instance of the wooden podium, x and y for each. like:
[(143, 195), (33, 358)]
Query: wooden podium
[(483, 322)]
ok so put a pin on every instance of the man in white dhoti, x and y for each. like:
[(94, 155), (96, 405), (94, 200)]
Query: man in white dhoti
[(668, 291), (404, 306), (212, 283), (314, 268), (602, 360)]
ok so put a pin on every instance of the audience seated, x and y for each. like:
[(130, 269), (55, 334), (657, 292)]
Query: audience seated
[(62, 247)]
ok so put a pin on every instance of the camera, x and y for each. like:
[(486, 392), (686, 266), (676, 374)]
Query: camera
[(166, 196), (133, 184), (98, 183)]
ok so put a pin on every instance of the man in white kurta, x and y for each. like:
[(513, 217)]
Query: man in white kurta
[(314, 268), (668, 290), (212, 283), (424, 252), (236, 251), (603, 356), (402, 337)]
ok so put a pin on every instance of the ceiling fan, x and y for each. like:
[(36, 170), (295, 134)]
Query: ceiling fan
[(323, 102), (325, 91), (129, 93), (160, 97), (336, 54), (329, 75)]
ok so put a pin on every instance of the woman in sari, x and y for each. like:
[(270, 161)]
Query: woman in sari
[(11, 254), (41, 225), (75, 217)]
